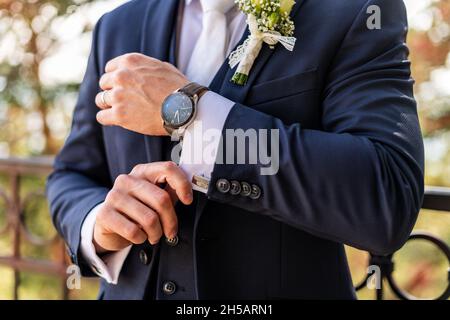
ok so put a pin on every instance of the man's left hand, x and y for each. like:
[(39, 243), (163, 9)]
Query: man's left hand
[(136, 86)]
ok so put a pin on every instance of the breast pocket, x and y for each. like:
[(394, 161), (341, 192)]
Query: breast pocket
[(282, 87)]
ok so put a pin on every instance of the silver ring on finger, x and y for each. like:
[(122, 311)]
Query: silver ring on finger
[(103, 98)]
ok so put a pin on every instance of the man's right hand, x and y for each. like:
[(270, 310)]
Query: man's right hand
[(137, 208)]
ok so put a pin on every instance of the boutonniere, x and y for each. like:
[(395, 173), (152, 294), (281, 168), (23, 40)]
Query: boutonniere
[(269, 22)]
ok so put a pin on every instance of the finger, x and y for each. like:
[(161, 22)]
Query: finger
[(141, 214), (166, 172), (106, 81), (172, 193), (153, 197), (106, 117), (127, 59), (105, 241), (102, 100), (113, 64), (159, 200), (114, 222)]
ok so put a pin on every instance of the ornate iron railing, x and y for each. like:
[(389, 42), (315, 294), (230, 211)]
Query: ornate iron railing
[(436, 198), (14, 204), (15, 201)]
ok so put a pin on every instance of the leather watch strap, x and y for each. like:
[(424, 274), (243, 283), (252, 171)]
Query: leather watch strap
[(193, 89)]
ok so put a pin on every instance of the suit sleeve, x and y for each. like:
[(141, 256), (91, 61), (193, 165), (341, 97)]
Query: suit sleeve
[(80, 179), (358, 181)]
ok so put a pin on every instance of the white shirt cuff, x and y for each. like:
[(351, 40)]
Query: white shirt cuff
[(202, 138), (109, 266)]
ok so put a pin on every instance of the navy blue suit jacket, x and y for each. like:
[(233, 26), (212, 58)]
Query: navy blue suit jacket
[(351, 166)]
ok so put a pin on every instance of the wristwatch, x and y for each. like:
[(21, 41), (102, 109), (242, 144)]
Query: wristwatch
[(179, 108)]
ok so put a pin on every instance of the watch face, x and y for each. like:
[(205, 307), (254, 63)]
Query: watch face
[(177, 109)]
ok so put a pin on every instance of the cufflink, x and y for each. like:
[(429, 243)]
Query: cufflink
[(96, 270), (200, 183)]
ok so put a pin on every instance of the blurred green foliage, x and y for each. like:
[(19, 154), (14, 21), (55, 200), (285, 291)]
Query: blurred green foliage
[(29, 37)]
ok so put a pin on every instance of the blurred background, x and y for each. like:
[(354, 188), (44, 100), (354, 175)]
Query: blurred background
[(44, 46)]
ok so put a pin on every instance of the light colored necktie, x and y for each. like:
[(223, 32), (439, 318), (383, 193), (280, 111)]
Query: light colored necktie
[(210, 49)]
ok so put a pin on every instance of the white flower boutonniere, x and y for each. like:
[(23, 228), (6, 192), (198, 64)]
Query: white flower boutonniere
[(269, 22)]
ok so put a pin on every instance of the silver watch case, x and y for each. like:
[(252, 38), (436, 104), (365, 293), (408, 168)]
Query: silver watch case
[(177, 132)]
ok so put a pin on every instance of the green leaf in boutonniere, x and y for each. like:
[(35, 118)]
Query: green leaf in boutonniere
[(269, 22), (286, 6)]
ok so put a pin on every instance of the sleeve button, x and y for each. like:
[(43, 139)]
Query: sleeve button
[(255, 192), (246, 189), (223, 185), (235, 188)]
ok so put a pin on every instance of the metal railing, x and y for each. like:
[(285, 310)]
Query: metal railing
[(15, 202), (436, 198)]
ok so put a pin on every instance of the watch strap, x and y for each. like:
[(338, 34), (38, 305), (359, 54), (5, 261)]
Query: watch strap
[(193, 88)]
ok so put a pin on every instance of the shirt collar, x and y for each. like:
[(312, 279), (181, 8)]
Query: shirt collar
[(188, 2)]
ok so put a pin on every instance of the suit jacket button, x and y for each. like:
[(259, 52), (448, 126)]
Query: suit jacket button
[(235, 188), (143, 257), (223, 185), (246, 189), (169, 288), (256, 192), (172, 241)]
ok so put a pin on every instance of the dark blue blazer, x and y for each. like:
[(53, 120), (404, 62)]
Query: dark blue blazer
[(351, 166)]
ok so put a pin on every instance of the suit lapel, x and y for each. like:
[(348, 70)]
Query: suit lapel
[(222, 85), (158, 28), (158, 41), (238, 93)]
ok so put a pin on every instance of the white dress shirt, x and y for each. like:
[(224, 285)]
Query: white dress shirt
[(212, 112)]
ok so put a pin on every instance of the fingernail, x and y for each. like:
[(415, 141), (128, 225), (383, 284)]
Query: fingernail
[(153, 242), (190, 196)]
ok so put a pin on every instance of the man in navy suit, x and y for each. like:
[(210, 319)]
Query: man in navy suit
[(341, 125)]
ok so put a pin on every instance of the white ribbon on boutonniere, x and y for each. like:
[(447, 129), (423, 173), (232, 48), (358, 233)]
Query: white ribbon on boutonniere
[(269, 22)]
